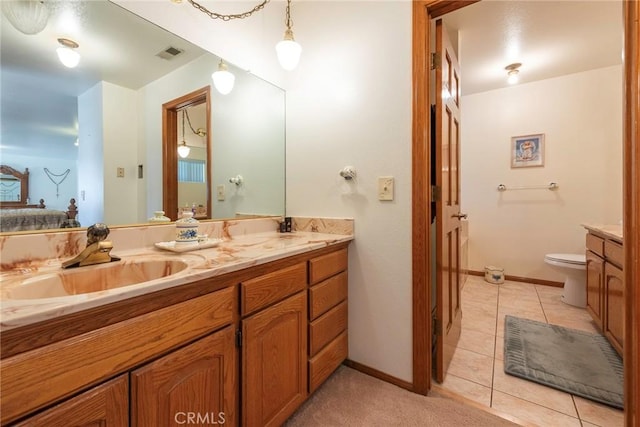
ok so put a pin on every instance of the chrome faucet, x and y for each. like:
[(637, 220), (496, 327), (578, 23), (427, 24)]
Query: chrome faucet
[(97, 250)]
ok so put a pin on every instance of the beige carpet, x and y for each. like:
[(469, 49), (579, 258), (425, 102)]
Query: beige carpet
[(351, 398)]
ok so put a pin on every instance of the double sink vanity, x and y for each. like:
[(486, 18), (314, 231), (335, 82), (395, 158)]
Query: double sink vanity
[(237, 334)]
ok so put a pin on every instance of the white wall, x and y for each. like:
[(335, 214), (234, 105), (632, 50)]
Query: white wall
[(120, 108), (580, 115), (90, 153), (349, 103)]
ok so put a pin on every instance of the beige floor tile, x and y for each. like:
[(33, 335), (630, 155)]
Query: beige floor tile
[(515, 300), (531, 412), (479, 317), (477, 341), (469, 389), (598, 414), (472, 366), (531, 391), (499, 354)]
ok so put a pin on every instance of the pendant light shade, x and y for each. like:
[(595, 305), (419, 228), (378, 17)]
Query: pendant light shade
[(223, 79), (67, 53), (27, 16), (183, 150), (288, 51)]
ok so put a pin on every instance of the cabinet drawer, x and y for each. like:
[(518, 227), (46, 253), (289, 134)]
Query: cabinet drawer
[(327, 265), (327, 294), (614, 253), (69, 365), (595, 244), (327, 327), (272, 287), (325, 362)]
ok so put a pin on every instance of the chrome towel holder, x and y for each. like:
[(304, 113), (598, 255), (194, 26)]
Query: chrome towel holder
[(551, 186)]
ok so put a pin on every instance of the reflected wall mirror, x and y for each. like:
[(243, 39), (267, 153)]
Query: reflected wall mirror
[(102, 120)]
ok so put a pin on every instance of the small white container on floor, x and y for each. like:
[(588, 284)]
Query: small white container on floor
[(493, 274)]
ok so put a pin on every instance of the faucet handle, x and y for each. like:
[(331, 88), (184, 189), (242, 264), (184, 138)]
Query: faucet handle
[(97, 233)]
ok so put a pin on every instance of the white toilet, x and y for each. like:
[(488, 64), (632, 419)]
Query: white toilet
[(573, 266)]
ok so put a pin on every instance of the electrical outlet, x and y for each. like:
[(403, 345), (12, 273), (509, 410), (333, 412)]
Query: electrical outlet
[(385, 188), (220, 192), (120, 173)]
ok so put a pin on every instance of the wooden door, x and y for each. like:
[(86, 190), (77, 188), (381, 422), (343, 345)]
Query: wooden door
[(106, 405), (195, 385), (447, 196), (274, 362)]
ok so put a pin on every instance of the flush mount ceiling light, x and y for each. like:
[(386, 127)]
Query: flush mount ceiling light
[(27, 16), (223, 79), (67, 53), (512, 72), (288, 49), (183, 149)]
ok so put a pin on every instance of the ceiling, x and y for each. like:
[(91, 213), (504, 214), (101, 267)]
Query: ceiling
[(39, 104), (549, 38)]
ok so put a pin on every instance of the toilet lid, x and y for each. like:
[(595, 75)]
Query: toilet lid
[(568, 258)]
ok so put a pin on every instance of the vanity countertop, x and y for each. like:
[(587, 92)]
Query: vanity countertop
[(611, 231), (230, 255)]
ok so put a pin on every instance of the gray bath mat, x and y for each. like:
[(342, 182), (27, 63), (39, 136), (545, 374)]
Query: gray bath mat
[(577, 362)]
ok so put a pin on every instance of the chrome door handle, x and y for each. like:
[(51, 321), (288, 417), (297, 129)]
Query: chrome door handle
[(459, 215)]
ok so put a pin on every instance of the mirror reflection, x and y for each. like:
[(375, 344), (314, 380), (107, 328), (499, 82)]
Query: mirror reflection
[(94, 133)]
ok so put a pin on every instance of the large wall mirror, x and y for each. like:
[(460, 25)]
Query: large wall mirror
[(94, 133)]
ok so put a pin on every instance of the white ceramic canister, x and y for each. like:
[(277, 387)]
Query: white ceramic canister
[(187, 229), (158, 216)]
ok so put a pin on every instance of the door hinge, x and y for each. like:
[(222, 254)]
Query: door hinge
[(435, 193), (437, 327), (238, 338), (436, 59)]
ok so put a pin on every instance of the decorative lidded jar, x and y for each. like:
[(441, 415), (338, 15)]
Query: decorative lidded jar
[(187, 229), (158, 216)]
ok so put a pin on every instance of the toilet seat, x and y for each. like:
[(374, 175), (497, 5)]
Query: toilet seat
[(574, 259)]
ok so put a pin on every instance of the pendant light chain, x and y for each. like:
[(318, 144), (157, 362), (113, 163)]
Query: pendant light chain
[(287, 20), (214, 15)]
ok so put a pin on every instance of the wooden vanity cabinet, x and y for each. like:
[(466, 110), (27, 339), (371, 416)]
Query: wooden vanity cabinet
[(104, 405), (197, 382), (274, 345), (605, 287), (328, 313)]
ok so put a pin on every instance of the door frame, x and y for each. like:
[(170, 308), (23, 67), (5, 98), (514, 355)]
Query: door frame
[(170, 148), (423, 12)]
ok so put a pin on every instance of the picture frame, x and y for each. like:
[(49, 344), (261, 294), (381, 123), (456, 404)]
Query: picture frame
[(527, 151)]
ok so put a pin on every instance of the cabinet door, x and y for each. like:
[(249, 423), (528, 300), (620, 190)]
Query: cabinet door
[(106, 405), (614, 310), (193, 385), (274, 365), (595, 284)]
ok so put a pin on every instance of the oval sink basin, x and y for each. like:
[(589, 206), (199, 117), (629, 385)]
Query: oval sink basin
[(85, 280)]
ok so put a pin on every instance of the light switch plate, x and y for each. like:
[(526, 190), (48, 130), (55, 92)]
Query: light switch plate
[(385, 187), (220, 192), (120, 173)]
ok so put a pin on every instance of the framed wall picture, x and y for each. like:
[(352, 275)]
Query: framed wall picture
[(527, 151)]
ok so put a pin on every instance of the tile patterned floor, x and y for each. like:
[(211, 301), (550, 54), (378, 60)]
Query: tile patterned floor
[(477, 370)]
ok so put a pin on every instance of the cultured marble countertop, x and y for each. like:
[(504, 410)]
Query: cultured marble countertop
[(612, 231), (230, 255)]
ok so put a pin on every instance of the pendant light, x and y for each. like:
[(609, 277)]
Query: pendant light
[(288, 49), (67, 53), (183, 149), (26, 16), (223, 79)]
